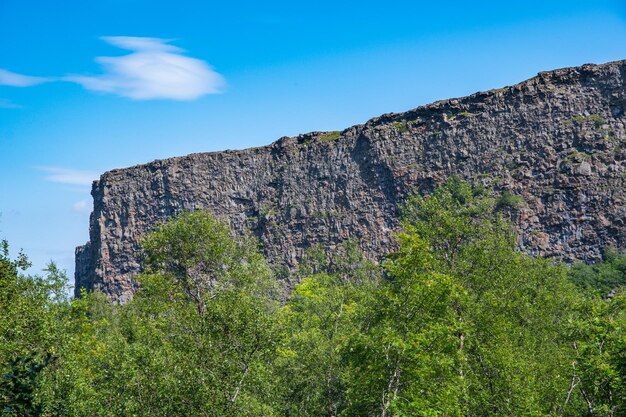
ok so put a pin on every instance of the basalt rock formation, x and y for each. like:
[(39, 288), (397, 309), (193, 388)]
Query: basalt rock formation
[(558, 141)]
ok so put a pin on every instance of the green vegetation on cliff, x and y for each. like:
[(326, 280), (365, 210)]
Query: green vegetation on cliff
[(456, 322)]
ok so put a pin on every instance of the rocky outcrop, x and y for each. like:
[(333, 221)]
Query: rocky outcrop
[(557, 140)]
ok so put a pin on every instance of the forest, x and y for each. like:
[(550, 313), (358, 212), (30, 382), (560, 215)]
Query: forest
[(457, 321)]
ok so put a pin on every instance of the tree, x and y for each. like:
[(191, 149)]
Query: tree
[(199, 253), (406, 357), (605, 276), (466, 325), (197, 339), (457, 322), (316, 324), (598, 338), (194, 258), (32, 313)]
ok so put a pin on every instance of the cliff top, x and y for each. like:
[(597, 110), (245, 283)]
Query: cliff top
[(479, 99)]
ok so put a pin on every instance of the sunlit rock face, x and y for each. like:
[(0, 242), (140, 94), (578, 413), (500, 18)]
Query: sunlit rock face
[(557, 140)]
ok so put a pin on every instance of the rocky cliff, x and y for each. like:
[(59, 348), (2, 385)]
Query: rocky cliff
[(557, 140)]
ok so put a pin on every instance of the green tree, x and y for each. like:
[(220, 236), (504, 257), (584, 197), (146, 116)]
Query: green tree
[(599, 344), (315, 327), (199, 253), (406, 357), (457, 322), (466, 325), (197, 339), (604, 276), (32, 324)]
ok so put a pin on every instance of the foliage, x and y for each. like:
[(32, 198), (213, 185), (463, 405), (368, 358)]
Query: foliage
[(466, 325), (17, 387), (196, 339), (199, 254), (32, 322), (401, 127), (509, 200), (329, 136), (404, 359), (596, 119), (599, 365), (602, 276), (455, 322), (316, 324)]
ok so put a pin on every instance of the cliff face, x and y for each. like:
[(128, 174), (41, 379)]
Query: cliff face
[(558, 140)]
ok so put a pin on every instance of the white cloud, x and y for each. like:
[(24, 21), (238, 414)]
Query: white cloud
[(81, 206), (18, 80), (68, 176), (154, 70)]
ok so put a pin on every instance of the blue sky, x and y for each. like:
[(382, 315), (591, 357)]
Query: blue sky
[(193, 76)]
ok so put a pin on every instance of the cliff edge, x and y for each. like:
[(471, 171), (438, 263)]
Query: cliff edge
[(557, 140)]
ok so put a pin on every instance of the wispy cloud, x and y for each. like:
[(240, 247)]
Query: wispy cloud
[(154, 70), (19, 80), (68, 176), (5, 103), (81, 206)]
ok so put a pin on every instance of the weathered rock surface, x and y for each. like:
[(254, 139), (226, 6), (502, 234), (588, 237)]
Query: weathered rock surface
[(558, 140)]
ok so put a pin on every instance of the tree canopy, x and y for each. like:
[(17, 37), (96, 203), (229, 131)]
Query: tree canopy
[(456, 322)]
